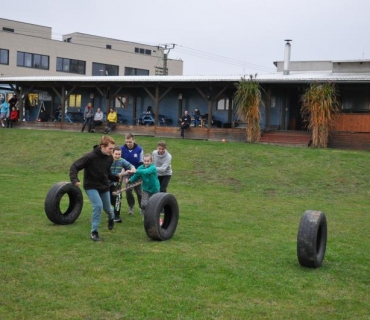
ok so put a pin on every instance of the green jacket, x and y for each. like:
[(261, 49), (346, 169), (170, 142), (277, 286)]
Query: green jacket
[(149, 178)]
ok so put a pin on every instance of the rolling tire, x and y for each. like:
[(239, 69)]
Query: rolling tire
[(52, 203), (311, 239), (157, 204)]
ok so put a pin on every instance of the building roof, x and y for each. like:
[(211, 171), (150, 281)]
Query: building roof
[(277, 77)]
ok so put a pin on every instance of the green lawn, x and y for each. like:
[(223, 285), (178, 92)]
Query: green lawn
[(233, 255)]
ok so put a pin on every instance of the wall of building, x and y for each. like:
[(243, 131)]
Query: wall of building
[(82, 47), (351, 67), (25, 28), (305, 66)]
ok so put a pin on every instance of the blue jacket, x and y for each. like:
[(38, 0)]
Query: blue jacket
[(5, 108), (134, 156)]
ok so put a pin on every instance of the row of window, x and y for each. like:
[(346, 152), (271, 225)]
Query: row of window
[(39, 61), (143, 51)]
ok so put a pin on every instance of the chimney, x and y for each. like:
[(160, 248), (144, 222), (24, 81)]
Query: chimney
[(287, 57)]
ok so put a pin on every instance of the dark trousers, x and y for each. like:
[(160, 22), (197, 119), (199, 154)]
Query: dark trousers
[(96, 123), (130, 196), (87, 122), (10, 124), (163, 182), (110, 126), (115, 200), (183, 127)]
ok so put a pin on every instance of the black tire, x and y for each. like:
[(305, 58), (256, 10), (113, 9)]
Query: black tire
[(161, 204), (311, 239), (52, 203)]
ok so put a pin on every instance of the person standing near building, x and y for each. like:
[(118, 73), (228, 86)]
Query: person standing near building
[(184, 123), (14, 116), (134, 154), (13, 101), (147, 172), (162, 160), (13, 112), (196, 115), (27, 109), (97, 176), (88, 117), (4, 112)]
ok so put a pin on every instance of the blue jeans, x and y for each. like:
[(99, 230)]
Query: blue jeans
[(99, 201)]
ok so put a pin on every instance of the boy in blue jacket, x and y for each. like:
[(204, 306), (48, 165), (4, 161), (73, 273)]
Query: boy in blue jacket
[(132, 153), (149, 177)]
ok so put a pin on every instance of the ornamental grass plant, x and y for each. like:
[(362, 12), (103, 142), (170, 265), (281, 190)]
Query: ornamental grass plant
[(233, 255), (247, 100), (319, 105)]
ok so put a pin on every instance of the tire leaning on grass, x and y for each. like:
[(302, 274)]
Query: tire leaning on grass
[(157, 204), (311, 239), (52, 203)]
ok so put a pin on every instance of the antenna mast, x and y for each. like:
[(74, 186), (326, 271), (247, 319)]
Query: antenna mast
[(166, 50)]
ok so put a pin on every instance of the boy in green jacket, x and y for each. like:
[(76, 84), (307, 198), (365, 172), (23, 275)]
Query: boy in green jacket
[(147, 172)]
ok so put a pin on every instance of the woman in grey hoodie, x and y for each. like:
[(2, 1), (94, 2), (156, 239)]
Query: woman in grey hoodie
[(162, 160)]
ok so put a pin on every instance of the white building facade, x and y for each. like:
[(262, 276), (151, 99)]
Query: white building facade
[(29, 50)]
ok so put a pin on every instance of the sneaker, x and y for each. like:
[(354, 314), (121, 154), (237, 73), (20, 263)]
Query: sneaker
[(95, 236), (110, 224), (131, 210), (117, 219)]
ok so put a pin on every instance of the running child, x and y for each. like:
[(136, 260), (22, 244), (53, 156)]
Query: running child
[(119, 167), (147, 172)]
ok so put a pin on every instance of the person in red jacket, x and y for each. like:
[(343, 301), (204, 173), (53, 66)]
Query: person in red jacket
[(14, 116)]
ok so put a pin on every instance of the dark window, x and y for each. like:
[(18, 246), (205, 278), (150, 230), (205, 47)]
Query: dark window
[(100, 69), (4, 56), (136, 72), (108, 46), (27, 60), (45, 62), (36, 61), (143, 51), (32, 60), (71, 65), (8, 29)]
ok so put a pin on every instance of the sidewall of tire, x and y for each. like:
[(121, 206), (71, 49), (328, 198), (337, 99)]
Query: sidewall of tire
[(52, 203), (312, 238), (156, 204)]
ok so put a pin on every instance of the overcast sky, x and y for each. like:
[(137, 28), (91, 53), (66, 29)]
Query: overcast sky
[(214, 37)]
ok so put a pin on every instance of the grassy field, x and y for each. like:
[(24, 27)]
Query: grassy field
[(233, 255)]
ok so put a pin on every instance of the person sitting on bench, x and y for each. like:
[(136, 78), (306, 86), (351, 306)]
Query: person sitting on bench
[(98, 119), (111, 121)]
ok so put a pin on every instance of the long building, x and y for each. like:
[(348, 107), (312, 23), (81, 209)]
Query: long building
[(29, 50), (213, 96)]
